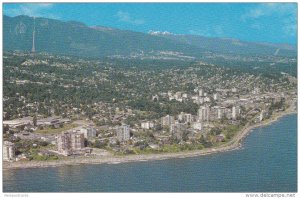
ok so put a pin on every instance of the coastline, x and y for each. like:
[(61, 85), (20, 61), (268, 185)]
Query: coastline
[(233, 144)]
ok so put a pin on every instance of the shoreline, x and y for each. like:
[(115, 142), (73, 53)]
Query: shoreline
[(233, 144)]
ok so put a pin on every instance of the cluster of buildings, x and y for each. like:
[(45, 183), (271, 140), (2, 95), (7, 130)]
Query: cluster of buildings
[(219, 103), (72, 142), (183, 126), (204, 116), (206, 113), (216, 107), (201, 97)]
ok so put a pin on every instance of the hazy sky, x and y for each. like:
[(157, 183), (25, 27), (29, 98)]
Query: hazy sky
[(268, 22)]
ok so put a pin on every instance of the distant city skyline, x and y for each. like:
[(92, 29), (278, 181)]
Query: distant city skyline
[(254, 22)]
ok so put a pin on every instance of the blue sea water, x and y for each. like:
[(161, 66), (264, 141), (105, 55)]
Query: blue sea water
[(266, 163)]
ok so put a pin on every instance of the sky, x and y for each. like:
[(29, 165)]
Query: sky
[(257, 22)]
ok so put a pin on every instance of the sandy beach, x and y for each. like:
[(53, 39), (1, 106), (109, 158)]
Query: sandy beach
[(233, 144)]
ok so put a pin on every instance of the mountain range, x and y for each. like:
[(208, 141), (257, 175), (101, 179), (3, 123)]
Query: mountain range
[(76, 38)]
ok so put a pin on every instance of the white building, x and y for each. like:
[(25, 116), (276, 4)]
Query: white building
[(123, 133), (206, 99), (197, 126), (261, 116), (188, 118), (235, 112), (88, 132), (77, 141), (203, 113), (167, 120), (8, 151), (181, 117), (178, 95), (147, 125), (155, 98), (200, 91), (200, 101), (221, 112), (197, 99), (216, 96), (171, 98), (234, 90)]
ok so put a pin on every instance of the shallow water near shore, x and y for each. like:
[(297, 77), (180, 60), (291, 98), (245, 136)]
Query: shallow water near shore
[(267, 162)]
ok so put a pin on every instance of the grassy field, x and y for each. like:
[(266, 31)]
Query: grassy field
[(49, 130)]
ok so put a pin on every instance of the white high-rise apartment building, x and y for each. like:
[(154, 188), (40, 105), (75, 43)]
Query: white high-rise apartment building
[(203, 113), (8, 151), (123, 133), (235, 112), (167, 120)]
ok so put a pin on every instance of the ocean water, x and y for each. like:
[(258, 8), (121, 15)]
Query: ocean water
[(267, 162)]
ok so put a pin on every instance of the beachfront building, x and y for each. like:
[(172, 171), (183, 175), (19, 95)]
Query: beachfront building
[(8, 151), (64, 143), (88, 132), (69, 143), (77, 141), (261, 116), (123, 133)]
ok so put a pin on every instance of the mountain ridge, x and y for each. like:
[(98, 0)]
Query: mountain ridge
[(76, 38)]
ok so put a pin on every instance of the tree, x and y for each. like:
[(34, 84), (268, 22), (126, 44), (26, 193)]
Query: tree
[(202, 139), (43, 143), (216, 131), (185, 135), (158, 127)]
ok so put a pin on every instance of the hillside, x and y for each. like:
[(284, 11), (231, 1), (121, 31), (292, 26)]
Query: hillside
[(230, 46), (75, 38)]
